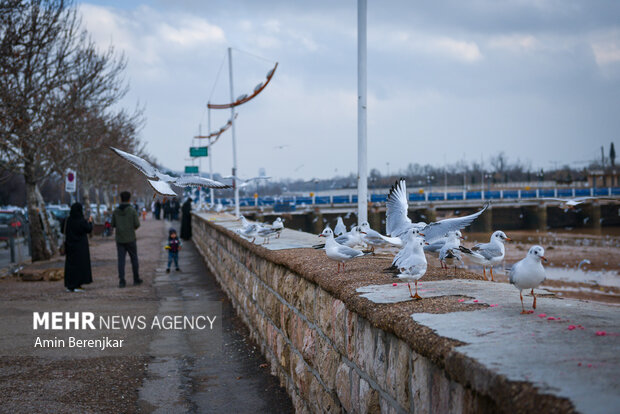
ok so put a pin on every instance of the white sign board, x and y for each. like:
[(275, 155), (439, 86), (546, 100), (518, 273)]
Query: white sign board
[(70, 181)]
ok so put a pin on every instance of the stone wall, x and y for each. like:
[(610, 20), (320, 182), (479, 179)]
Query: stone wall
[(328, 358)]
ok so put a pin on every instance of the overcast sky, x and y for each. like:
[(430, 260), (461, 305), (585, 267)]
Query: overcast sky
[(447, 81)]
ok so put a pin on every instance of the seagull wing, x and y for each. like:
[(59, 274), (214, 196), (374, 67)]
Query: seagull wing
[(340, 227), (262, 177), (397, 206), (162, 188), (438, 229), (142, 165), (196, 181)]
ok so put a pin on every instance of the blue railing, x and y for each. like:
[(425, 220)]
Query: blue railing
[(432, 196)]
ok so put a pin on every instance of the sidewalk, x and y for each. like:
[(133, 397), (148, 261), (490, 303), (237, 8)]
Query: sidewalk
[(137, 379)]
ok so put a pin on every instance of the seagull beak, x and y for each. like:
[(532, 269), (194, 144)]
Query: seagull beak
[(508, 239), (422, 234), (544, 258), (427, 243), (363, 232), (320, 235)]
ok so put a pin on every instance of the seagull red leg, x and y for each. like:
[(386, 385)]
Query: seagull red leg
[(523, 312), (533, 294), (416, 296)]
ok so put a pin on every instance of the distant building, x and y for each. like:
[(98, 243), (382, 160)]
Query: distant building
[(609, 177)]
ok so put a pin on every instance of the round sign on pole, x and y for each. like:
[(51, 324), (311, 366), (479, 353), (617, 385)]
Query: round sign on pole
[(70, 181)]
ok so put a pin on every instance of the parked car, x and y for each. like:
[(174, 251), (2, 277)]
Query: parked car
[(60, 212), (14, 219)]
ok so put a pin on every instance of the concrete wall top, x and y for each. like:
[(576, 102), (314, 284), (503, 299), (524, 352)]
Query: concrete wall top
[(562, 357)]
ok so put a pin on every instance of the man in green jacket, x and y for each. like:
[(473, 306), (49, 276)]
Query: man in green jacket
[(125, 219)]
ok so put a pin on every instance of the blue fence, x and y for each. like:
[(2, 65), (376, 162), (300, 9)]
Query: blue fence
[(433, 196)]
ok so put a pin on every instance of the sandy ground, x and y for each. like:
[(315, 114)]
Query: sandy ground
[(91, 384)]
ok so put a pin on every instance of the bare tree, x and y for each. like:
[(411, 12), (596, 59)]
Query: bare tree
[(52, 76)]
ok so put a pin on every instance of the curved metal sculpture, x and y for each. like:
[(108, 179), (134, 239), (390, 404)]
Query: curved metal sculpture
[(245, 97), (217, 133)]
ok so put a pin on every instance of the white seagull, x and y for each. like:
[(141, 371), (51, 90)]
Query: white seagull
[(351, 239), (246, 182), (339, 252), (340, 228), (250, 231), (160, 182), (435, 246), (488, 254), (571, 203), (529, 273), (397, 223), (412, 263), (278, 225), (374, 238), (450, 250)]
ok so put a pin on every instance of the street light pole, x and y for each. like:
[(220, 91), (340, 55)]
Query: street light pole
[(362, 142), (210, 154), (234, 141)]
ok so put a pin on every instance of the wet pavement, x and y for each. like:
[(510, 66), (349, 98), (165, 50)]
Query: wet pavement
[(193, 373)]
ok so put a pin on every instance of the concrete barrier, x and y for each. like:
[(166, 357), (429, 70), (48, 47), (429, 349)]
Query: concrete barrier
[(336, 351)]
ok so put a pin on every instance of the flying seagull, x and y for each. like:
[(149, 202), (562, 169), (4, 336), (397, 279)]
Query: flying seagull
[(245, 183), (397, 223), (160, 182), (571, 203)]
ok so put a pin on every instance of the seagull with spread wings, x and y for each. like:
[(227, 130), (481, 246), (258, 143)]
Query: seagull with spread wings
[(397, 223), (160, 182), (571, 203), (244, 183)]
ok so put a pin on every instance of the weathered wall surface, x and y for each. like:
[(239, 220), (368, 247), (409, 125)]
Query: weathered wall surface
[(329, 358)]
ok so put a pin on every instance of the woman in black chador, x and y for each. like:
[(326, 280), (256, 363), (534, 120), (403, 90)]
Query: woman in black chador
[(186, 220), (77, 263)]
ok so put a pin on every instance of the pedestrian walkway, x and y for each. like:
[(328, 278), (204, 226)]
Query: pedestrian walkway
[(184, 375)]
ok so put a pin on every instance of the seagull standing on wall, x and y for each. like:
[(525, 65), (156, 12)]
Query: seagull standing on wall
[(412, 262), (529, 273), (488, 254), (160, 182), (339, 252)]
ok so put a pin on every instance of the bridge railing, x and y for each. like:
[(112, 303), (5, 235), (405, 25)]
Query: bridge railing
[(342, 199)]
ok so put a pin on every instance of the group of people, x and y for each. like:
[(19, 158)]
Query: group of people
[(126, 221), (170, 209)]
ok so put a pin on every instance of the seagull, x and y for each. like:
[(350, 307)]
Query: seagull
[(338, 252), (450, 250), (412, 263), (437, 244), (266, 233), (488, 254), (571, 203), (245, 183), (278, 225), (340, 228), (160, 182), (351, 239), (411, 234), (251, 231), (529, 273), (374, 238), (397, 223)]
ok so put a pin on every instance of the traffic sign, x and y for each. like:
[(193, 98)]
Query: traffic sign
[(198, 151), (191, 169), (70, 180)]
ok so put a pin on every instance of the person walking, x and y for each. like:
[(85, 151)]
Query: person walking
[(125, 220), (77, 261), (186, 220), (157, 209)]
